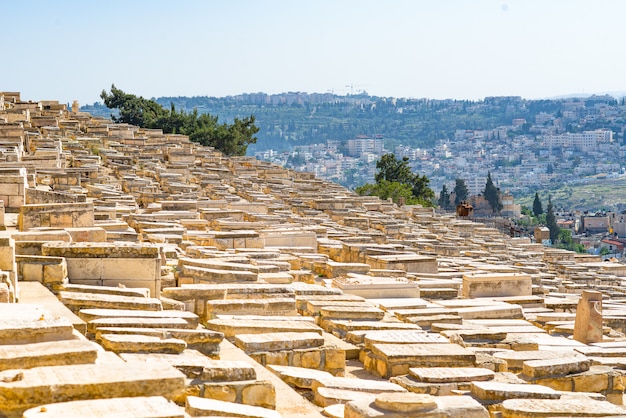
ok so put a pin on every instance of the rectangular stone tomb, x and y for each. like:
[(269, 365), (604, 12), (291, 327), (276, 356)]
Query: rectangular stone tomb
[(76, 301), (341, 327), (515, 359), (197, 407), (389, 360), (416, 405), (91, 314), (278, 341), (450, 374), (178, 323), (21, 389), (132, 343), (554, 367), (53, 353), (202, 340), (496, 285), (267, 306), (25, 323), (352, 312), (232, 327), (564, 407), (496, 392), (402, 337), (141, 406)]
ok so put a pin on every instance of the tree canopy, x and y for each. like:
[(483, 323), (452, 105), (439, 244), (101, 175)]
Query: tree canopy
[(537, 206), (492, 195), (397, 175), (444, 198), (551, 222), (460, 191), (231, 139)]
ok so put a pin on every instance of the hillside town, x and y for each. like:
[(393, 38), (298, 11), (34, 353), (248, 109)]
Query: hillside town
[(145, 275), (571, 141)]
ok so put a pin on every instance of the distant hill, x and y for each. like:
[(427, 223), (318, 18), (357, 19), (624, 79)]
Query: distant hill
[(598, 193)]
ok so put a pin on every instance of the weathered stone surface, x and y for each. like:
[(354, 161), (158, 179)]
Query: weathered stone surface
[(352, 312), (141, 406), (55, 353), (451, 374), (190, 362), (25, 323), (196, 406), (278, 341), (493, 391), (228, 371), (557, 366), (77, 301), (565, 407), (231, 327), (21, 389), (515, 359), (588, 324), (405, 402), (267, 306), (362, 385), (129, 343), (402, 337), (425, 354), (91, 314), (298, 377), (93, 326), (332, 396), (447, 406)]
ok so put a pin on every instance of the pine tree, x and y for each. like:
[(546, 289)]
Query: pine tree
[(460, 191), (444, 198), (537, 207), (551, 222), (492, 194)]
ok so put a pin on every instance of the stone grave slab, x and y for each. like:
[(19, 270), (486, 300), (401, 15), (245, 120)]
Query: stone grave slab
[(392, 304), (515, 359), (298, 377), (26, 388), (189, 362), (232, 327), (92, 326), (197, 407), (450, 374), (496, 392), (266, 306), (25, 323), (141, 406), (76, 301), (558, 366), (341, 327), (91, 314), (496, 311), (202, 340), (352, 312), (402, 337), (278, 341), (247, 392), (53, 353), (313, 307), (407, 405), (564, 407), (331, 396), (360, 385), (133, 343)]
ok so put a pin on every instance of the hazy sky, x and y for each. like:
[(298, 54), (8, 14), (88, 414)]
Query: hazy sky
[(460, 49)]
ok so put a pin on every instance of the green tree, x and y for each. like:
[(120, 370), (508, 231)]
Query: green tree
[(398, 192), (230, 139), (460, 191), (492, 195), (551, 222), (444, 198), (392, 170), (537, 207)]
